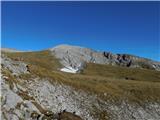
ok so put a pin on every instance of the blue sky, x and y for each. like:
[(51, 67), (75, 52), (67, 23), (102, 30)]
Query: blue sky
[(119, 27)]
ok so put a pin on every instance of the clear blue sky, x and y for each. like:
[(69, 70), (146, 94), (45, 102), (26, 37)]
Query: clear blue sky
[(119, 27)]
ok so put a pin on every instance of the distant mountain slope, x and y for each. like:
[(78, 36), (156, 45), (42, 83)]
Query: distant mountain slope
[(10, 50), (76, 57)]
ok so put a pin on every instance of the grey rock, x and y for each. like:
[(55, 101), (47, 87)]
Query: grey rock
[(76, 57), (16, 67)]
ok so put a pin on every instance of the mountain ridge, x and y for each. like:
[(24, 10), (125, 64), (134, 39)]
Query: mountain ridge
[(4, 49), (10, 50), (76, 57)]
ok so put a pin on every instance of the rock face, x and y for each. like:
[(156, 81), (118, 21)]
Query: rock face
[(76, 57)]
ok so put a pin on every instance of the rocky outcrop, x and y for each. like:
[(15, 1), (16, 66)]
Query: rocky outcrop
[(132, 61), (76, 57), (16, 67)]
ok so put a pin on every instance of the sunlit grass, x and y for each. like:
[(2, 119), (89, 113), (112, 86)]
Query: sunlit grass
[(108, 82)]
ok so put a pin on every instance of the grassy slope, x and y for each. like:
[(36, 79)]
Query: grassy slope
[(137, 85)]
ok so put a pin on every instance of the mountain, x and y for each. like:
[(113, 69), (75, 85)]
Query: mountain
[(74, 58), (9, 50), (41, 85)]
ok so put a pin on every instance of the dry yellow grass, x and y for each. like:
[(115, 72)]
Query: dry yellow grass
[(108, 82)]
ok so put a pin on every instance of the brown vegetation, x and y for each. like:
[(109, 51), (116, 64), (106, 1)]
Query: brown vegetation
[(108, 82)]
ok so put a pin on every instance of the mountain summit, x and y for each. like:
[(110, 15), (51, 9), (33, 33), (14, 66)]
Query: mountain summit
[(75, 57)]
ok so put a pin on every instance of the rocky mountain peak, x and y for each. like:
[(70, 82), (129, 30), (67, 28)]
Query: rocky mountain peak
[(75, 57), (67, 46)]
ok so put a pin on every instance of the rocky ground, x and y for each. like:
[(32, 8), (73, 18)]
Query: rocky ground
[(37, 98)]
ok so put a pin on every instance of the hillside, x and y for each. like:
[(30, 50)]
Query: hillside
[(76, 57), (33, 83)]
